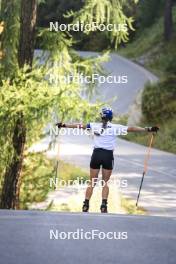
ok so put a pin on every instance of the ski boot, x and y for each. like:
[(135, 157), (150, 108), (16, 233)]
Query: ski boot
[(103, 207), (85, 207)]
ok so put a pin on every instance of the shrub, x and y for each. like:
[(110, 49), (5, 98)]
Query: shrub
[(35, 179), (159, 101), (170, 64)]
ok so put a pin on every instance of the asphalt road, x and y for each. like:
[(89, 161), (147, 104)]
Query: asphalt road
[(119, 95), (25, 239), (125, 93)]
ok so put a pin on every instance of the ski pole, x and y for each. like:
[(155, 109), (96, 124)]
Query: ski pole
[(58, 149), (56, 143), (57, 154), (57, 159), (145, 166)]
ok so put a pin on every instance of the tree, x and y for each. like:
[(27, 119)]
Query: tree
[(105, 12), (27, 32), (11, 186), (148, 12), (168, 20), (27, 97), (9, 17)]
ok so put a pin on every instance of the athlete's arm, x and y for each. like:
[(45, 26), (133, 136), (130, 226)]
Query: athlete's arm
[(136, 129), (143, 129), (81, 126)]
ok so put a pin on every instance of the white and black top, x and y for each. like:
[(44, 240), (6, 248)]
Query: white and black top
[(106, 138)]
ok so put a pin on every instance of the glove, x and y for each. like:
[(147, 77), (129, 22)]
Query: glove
[(60, 124), (152, 129)]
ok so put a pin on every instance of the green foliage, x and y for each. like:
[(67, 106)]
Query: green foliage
[(87, 12), (169, 65), (105, 12), (165, 139), (30, 94), (159, 101), (130, 207), (36, 98), (9, 14), (159, 108), (67, 61), (148, 12), (29, 91), (37, 170), (68, 172), (147, 40), (155, 54)]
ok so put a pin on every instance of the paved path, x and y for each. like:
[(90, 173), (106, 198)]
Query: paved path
[(125, 93), (25, 239)]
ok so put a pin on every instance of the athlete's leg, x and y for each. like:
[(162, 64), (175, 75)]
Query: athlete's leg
[(105, 177), (95, 164), (93, 180), (89, 190), (105, 189)]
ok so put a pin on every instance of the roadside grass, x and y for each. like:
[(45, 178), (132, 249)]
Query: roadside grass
[(145, 40), (150, 49), (35, 179), (36, 174), (130, 207), (159, 108), (164, 140), (70, 172)]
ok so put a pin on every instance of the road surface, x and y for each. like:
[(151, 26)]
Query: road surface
[(125, 94), (25, 239)]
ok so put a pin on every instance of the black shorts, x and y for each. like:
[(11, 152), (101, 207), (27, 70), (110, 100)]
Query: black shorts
[(102, 157)]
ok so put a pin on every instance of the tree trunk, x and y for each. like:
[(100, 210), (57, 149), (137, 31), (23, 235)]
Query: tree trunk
[(27, 32), (168, 20), (10, 191), (11, 185)]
